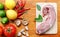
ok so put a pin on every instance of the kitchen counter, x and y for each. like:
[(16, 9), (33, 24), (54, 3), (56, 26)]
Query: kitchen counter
[(31, 14)]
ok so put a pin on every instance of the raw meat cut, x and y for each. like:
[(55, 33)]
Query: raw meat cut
[(49, 11)]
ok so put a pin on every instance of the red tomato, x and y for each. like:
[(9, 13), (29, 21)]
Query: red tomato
[(10, 30), (1, 30)]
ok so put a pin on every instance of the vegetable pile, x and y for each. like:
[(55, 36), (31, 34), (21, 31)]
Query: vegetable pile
[(10, 11)]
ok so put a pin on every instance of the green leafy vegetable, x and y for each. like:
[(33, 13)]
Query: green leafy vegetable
[(38, 7), (39, 19)]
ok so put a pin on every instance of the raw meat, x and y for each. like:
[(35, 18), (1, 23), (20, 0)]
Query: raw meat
[(49, 11)]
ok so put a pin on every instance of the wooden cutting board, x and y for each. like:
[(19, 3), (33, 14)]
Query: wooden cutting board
[(31, 14)]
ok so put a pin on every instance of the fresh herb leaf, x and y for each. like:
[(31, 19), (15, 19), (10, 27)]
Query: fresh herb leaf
[(39, 19), (36, 18), (38, 7)]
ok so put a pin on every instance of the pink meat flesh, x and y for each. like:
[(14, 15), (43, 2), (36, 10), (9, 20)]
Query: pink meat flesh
[(48, 11)]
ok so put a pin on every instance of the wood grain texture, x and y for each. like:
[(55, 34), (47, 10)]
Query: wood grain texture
[(31, 14)]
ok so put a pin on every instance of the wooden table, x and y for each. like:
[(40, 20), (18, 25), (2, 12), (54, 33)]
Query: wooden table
[(32, 25)]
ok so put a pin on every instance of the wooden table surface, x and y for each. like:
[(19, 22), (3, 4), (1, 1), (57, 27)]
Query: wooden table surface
[(30, 15)]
